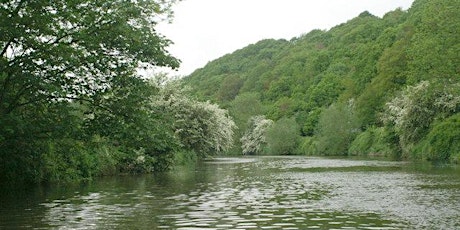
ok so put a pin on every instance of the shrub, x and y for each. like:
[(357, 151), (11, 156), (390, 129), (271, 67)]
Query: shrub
[(185, 158), (442, 142), (337, 128), (201, 127), (283, 137), (375, 141), (254, 139), (68, 160), (362, 144), (308, 146), (412, 113)]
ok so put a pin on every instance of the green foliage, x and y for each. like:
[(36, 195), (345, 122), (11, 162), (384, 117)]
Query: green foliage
[(66, 160), (337, 127), (308, 146), (283, 137), (285, 106), (377, 62), (185, 158), (442, 142), (74, 48), (58, 160), (325, 92), (434, 46), (248, 64), (106, 156), (391, 76), (413, 112), (72, 108), (229, 88), (310, 122), (243, 107), (21, 161), (126, 116), (26, 134), (362, 144), (71, 104), (375, 141)]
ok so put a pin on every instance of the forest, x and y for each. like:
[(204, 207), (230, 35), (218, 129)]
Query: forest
[(73, 105), (387, 87)]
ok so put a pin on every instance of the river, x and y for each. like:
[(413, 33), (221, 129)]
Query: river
[(250, 193)]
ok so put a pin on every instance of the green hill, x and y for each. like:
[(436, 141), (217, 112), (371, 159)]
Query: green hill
[(380, 86)]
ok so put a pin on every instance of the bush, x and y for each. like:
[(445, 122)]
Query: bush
[(68, 160), (442, 142), (413, 112), (362, 144), (107, 159), (185, 158), (202, 127), (337, 128), (375, 141), (308, 146), (254, 139), (283, 137), (21, 162)]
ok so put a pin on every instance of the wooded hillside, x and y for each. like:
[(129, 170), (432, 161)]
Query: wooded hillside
[(371, 86)]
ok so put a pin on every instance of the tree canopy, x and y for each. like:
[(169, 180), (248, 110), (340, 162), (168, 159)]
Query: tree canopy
[(378, 63), (52, 50), (72, 105)]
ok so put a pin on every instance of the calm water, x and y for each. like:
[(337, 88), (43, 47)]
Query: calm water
[(250, 193)]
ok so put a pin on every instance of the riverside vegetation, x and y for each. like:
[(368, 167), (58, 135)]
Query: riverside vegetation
[(375, 86), (72, 106)]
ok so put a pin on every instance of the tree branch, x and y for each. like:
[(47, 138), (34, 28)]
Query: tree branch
[(5, 49)]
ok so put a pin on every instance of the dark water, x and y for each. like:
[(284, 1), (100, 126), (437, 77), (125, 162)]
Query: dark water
[(250, 193)]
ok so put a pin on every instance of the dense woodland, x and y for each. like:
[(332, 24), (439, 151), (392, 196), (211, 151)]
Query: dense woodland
[(371, 86), (72, 106)]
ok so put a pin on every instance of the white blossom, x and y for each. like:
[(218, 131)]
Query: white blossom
[(200, 126), (254, 138), (399, 109), (418, 106)]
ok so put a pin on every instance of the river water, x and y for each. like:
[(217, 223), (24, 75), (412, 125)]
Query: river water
[(250, 193)]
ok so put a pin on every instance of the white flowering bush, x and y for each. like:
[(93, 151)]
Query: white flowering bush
[(399, 111), (254, 138), (200, 126), (413, 112)]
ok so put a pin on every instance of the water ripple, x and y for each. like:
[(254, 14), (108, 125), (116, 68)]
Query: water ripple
[(257, 193)]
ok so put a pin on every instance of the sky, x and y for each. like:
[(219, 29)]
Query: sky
[(204, 30)]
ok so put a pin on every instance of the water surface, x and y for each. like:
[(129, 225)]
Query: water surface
[(250, 193)]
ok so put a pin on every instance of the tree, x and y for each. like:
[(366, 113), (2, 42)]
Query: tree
[(229, 88), (414, 110), (202, 127), (376, 141), (283, 137), (337, 127), (254, 139), (61, 49), (243, 107), (311, 121), (56, 60), (127, 117), (434, 47)]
